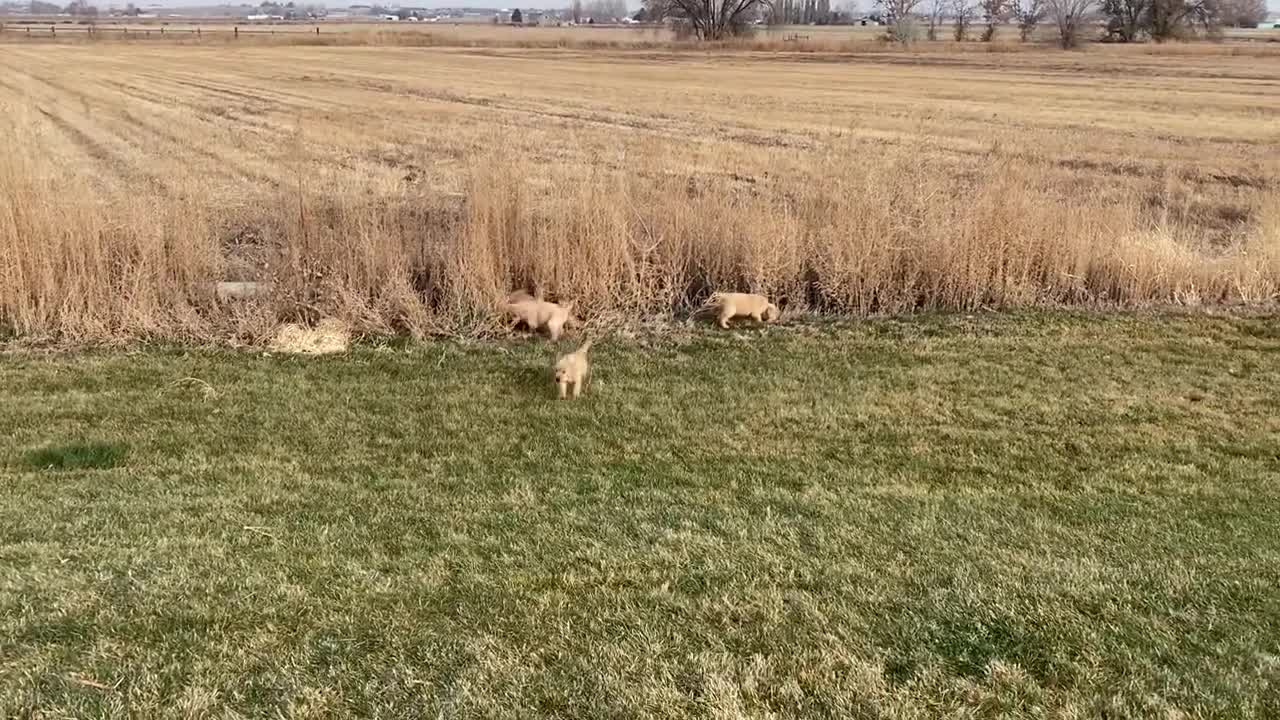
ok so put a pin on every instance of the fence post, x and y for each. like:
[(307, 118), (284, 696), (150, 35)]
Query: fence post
[(317, 29), (53, 30), (237, 32), (197, 32), (161, 29)]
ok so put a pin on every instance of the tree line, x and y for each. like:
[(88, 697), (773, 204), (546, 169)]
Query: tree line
[(1121, 20), (1071, 20)]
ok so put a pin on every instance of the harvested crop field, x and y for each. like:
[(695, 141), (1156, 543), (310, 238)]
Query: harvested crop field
[(405, 189)]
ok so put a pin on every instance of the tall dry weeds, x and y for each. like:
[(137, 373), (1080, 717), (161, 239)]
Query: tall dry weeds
[(78, 266), (888, 234)]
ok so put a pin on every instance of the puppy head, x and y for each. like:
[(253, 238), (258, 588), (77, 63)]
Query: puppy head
[(771, 312), (563, 369)]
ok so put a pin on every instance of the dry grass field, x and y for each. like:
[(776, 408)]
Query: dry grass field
[(406, 188)]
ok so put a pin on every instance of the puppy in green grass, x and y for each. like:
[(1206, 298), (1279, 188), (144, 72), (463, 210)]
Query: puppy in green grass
[(573, 370)]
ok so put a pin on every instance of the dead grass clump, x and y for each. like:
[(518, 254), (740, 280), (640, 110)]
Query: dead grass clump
[(328, 336)]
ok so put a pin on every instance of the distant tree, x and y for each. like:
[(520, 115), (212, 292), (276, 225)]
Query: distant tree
[(1242, 13), (937, 8), (1126, 19), (1070, 17), (994, 12), (1160, 20), (81, 8), (1173, 19), (1027, 14), (962, 14), (44, 8), (708, 19), (899, 15), (516, 17), (577, 11), (603, 10)]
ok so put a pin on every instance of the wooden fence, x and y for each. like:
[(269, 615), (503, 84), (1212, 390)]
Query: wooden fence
[(54, 29)]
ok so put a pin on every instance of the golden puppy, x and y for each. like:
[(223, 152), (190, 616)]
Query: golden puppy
[(537, 313), (573, 369), (733, 305)]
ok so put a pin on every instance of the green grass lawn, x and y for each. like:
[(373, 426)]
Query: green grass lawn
[(1001, 516)]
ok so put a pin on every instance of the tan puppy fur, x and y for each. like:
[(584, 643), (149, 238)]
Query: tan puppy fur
[(733, 305), (536, 313), (573, 370)]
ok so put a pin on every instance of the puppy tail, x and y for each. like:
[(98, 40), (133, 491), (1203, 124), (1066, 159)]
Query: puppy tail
[(582, 350)]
